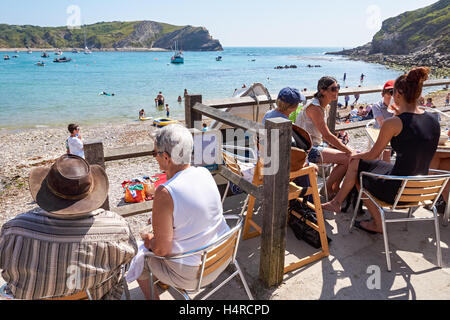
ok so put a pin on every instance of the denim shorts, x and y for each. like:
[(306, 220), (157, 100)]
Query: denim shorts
[(314, 153)]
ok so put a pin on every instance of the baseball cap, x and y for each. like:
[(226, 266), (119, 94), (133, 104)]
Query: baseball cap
[(389, 85), (291, 95)]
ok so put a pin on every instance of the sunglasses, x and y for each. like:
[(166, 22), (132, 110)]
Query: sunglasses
[(390, 91), (335, 88), (155, 153)]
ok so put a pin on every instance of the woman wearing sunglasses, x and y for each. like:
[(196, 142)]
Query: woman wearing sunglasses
[(413, 134), (313, 119)]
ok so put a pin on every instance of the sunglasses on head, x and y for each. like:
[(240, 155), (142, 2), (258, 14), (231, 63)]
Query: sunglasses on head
[(335, 88)]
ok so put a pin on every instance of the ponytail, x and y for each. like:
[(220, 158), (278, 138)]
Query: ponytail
[(410, 85)]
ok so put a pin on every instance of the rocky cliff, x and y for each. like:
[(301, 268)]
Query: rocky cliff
[(110, 35), (420, 37)]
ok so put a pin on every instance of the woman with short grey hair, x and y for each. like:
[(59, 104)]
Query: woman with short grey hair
[(187, 213), (176, 141)]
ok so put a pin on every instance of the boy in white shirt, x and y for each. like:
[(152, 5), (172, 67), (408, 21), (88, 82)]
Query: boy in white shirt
[(74, 144)]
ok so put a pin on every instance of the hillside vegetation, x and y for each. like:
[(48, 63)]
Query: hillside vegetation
[(104, 35)]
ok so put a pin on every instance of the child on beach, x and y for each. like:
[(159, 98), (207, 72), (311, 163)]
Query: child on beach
[(167, 110), (74, 143)]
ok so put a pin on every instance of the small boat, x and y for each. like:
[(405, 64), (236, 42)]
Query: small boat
[(74, 51), (87, 51), (162, 122), (41, 64), (63, 59), (16, 51), (45, 55), (6, 57), (58, 53), (219, 58), (30, 52), (15, 56), (145, 118), (178, 56)]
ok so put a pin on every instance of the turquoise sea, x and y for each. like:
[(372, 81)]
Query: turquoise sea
[(60, 93)]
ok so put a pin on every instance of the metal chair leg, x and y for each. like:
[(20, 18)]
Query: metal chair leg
[(438, 238), (446, 214), (152, 288), (244, 282), (386, 243), (324, 177), (355, 211), (410, 212)]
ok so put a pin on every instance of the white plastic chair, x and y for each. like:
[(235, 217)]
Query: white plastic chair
[(414, 192), (215, 255)]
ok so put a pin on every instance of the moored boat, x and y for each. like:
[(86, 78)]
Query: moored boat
[(44, 55), (6, 57), (63, 59), (219, 58), (41, 64), (178, 56)]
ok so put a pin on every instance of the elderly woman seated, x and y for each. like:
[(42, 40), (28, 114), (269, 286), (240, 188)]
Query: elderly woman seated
[(187, 213)]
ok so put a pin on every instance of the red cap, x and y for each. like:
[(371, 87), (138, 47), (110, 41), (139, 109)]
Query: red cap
[(389, 84)]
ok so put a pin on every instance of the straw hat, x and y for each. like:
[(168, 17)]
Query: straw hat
[(70, 188)]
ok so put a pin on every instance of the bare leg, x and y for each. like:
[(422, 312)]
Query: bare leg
[(375, 224), (340, 158), (145, 287), (348, 184)]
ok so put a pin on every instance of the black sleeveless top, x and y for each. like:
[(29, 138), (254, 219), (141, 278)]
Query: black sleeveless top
[(415, 147)]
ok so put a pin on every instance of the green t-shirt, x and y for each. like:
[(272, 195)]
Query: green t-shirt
[(293, 115)]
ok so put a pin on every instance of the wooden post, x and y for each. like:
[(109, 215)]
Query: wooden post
[(190, 115), (275, 203), (94, 154), (332, 117)]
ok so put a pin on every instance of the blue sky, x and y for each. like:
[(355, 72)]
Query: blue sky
[(292, 23)]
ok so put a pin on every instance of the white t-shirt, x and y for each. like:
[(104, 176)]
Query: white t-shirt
[(75, 146)]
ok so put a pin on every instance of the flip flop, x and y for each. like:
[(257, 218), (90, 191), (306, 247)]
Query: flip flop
[(358, 225)]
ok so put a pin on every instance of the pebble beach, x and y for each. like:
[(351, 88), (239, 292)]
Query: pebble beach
[(28, 148)]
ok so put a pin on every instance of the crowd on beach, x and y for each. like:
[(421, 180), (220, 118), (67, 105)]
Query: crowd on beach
[(187, 209)]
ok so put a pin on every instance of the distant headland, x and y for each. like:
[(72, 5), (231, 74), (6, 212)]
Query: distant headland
[(109, 36), (419, 37)]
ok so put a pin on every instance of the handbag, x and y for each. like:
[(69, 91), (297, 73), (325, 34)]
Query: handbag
[(301, 229)]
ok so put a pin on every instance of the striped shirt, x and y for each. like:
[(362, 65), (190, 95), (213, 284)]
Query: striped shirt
[(43, 257)]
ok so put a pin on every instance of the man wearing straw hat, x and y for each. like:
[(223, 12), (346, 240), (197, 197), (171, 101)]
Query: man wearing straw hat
[(67, 245)]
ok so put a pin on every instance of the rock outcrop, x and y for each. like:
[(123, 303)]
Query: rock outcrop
[(189, 39), (420, 37)]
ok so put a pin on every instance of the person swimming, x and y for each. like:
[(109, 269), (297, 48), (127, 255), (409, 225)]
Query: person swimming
[(103, 93)]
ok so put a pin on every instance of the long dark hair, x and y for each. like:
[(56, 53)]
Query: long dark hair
[(323, 84), (410, 85)]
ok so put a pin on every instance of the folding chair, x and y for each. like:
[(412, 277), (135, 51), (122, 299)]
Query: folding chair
[(299, 193), (232, 162), (414, 192), (218, 254)]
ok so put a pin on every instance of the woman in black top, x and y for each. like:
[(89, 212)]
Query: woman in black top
[(414, 135)]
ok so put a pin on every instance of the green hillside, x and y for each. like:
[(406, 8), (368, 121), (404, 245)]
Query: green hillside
[(99, 35), (415, 29)]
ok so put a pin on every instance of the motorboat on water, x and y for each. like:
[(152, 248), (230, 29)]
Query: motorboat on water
[(256, 112), (58, 53), (6, 57), (45, 55), (87, 51), (41, 64), (219, 58), (178, 56), (74, 51), (63, 59), (30, 52)]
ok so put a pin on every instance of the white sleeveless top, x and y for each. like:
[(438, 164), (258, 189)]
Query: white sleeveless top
[(305, 122), (197, 212)]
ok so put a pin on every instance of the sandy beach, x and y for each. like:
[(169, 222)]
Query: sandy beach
[(22, 150)]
